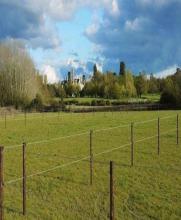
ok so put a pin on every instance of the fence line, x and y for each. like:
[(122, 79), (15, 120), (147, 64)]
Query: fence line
[(84, 158), (50, 140), (147, 138), (51, 116), (48, 170), (34, 117), (111, 128), (155, 119), (83, 133)]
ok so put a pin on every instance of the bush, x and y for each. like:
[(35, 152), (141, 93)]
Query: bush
[(100, 102), (37, 102), (85, 103), (94, 102), (168, 97)]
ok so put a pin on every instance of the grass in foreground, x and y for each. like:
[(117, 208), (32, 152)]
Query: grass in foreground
[(149, 190)]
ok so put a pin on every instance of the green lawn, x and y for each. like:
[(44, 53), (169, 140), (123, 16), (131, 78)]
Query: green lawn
[(145, 98), (149, 190)]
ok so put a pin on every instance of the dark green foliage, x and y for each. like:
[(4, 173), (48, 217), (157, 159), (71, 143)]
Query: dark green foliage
[(37, 102), (172, 89)]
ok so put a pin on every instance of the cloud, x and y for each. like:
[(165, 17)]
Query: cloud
[(80, 67), (146, 35), (34, 21), (167, 72), (135, 25), (51, 74), (18, 21)]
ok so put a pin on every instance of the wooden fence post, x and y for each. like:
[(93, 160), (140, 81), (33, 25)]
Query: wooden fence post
[(177, 129), (158, 136), (111, 190), (132, 144), (1, 184), (91, 158), (24, 178)]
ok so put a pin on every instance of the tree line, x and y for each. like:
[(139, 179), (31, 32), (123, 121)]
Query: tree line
[(115, 86), (21, 85)]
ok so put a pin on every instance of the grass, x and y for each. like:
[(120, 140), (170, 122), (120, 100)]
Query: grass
[(146, 98), (149, 190)]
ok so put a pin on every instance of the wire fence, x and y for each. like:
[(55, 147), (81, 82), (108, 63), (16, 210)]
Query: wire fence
[(103, 141)]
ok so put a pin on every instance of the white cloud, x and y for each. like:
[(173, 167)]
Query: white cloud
[(134, 25), (167, 72), (50, 72), (92, 29), (65, 9), (115, 9)]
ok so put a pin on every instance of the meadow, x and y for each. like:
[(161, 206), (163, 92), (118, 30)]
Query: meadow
[(58, 143)]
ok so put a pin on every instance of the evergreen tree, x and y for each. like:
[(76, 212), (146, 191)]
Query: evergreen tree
[(122, 70), (94, 69)]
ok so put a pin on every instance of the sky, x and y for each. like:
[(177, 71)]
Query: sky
[(65, 34)]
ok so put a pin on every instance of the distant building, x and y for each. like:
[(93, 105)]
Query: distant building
[(75, 80)]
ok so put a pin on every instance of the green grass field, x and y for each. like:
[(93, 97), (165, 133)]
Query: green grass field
[(149, 190)]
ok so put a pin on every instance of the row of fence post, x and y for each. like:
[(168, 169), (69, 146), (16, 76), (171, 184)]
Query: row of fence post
[(5, 119), (91, 168)]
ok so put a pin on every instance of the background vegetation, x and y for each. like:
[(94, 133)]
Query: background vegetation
[(22, 86)]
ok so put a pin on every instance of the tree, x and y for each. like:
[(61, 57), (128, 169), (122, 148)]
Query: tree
[(122, 70), (128, 82), (172, 90), (141, 84), (153, 85), (72, 90), (19, 80), (94, 69)]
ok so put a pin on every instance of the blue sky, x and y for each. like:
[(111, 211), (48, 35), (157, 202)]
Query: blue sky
[(65, 34)]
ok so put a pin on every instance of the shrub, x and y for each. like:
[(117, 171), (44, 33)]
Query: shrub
[(37, 102)]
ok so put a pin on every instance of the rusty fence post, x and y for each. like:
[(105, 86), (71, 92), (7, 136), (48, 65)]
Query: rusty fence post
[(177, 129), (24, 178), (1, 184), (158, 127), (111, 190), (91, 157), (132, 144)]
